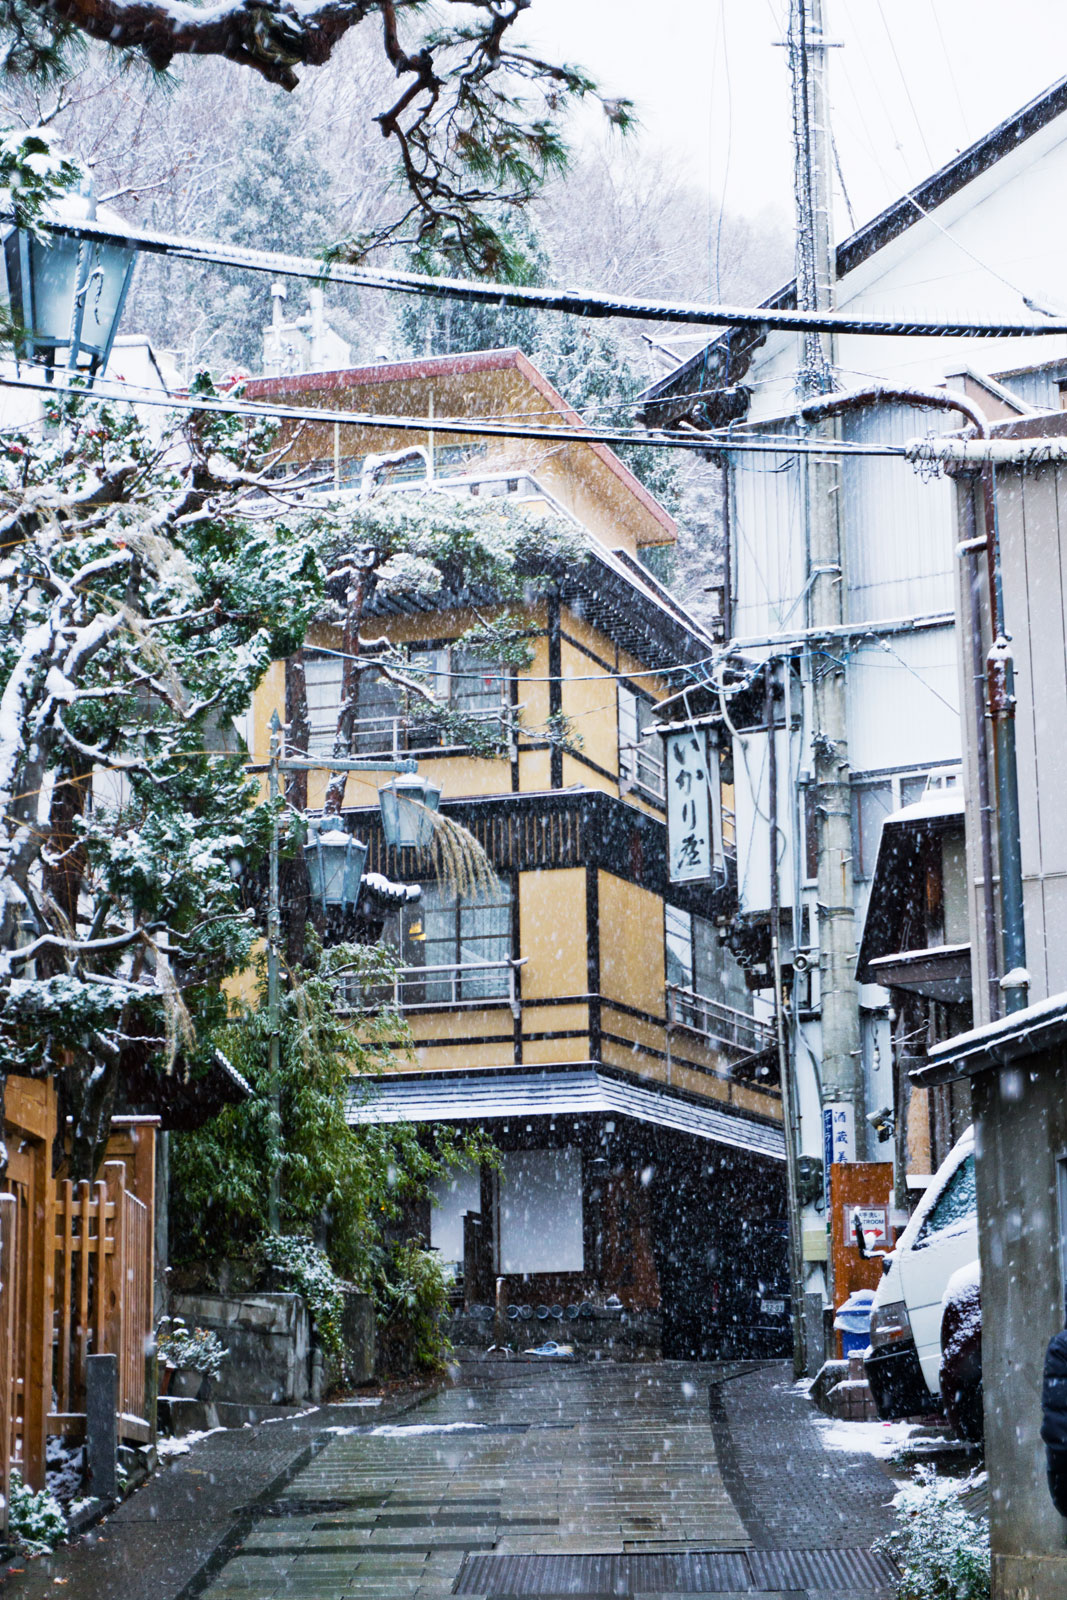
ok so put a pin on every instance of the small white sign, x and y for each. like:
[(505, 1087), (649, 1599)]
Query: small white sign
[(874, 1221), (692, 806)]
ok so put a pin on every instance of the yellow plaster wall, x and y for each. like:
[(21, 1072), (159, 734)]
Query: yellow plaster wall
[(631, 945), (535, 770), (269, 697), (552, 933), (438, 1058), (592, 703), (553, 1019), (555, 1052)]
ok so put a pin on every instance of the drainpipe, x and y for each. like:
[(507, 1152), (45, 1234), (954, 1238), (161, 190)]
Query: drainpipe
[(785, 1076), (1000, 670), (971, 547)]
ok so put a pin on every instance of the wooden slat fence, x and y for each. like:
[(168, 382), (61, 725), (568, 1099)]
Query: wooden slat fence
[(103, 1280), (8, 1281)]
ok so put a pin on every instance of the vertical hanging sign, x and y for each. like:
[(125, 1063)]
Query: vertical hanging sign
[(839, 1139), (693, 807)]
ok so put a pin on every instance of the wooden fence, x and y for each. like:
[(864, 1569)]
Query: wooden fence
[(75, 1278), (103, 1297), (7, 1346)]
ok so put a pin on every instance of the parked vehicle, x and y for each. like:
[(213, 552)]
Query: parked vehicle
[(904, 1360), (961, 1353)]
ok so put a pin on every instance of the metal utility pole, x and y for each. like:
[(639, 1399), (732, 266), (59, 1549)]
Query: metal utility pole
[(274, 1202), (785, 1065), (842, 1068)]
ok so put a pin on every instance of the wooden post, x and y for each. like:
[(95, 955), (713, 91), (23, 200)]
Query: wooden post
[(8, 1283)]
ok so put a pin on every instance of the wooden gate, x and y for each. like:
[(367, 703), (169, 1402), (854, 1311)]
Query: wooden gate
[(29, 1127), (103, 1289)]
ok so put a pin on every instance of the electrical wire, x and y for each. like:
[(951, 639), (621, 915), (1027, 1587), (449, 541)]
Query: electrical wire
[(574, 302), (130, 394)]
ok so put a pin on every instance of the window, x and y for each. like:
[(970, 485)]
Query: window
[(387, 717), (692, 951), (871, 804), (461, 938), (541, 1211), (640, 763), (956, 1203), (678, 936)]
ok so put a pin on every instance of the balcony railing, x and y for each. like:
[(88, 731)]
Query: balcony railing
[(734, 1032), (454, 984), (399, 734), (640, 768)]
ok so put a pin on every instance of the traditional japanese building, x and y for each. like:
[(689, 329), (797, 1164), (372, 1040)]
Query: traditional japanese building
[(567, 1010)]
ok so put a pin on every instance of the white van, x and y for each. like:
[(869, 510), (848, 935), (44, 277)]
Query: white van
[(904, 1358)]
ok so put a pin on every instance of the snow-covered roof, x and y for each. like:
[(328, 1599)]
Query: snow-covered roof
[(1011, 1038), (715, 371), (934, 803), (498, 1095), (463, 365)]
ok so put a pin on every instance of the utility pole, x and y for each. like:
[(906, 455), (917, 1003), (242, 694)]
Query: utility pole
[(841, 1066), (274, 1023)]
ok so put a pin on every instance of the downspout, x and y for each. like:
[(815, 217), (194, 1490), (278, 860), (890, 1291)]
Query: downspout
[(1000, 667), (785, 1076), (971, 547), (1000, 680)]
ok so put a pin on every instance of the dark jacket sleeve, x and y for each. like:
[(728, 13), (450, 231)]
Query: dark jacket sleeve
[(1054, 1420), (1054, 1394)]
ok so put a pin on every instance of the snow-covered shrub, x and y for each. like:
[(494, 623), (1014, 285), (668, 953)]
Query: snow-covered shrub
[(299, 1262), (36, 1523), (189, 1349), (942, 1551)]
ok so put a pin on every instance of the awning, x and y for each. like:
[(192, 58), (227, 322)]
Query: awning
[(942, 972), (492, 1097), (898, 890), (1018, 1036)]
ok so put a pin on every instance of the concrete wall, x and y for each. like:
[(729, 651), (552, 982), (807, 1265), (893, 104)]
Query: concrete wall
[(1021, 1125), (269, 1340)]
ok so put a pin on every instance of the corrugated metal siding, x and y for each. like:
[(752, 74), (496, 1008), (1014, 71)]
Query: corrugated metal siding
[(514, 1094), (767, 543), (899, 531), (904, 701)]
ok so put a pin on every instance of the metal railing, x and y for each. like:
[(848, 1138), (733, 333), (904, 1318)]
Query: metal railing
[(735, 1031), (455, 983), (402, 733), (641, 769)]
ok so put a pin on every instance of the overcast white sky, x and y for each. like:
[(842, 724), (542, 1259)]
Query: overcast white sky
[(914, 81)]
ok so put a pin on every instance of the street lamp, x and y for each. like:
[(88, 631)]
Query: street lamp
[(406, 805), (335, 861), (67, 294)]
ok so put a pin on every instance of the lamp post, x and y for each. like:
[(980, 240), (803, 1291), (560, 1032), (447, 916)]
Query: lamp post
[(335, 868), (67, 294)]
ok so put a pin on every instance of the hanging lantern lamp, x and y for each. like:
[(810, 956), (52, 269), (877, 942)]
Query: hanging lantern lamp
[(67, 294), (335, 862), (406, 803)]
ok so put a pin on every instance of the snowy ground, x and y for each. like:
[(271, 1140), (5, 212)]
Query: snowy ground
[(881, 1439)]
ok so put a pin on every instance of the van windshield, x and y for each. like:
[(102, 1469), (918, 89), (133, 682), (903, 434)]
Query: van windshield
[(955, 1203)]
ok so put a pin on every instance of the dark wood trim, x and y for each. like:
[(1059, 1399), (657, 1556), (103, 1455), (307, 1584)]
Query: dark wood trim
[(516, 950), (555, 684), (559, 1033), (592, 954), (558, 1000), (584, 649), (513, 696), (473, 1038)]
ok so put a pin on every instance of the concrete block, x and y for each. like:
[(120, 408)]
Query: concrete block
[(101, 1424)]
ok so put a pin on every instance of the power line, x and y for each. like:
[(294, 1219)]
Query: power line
[(130, 394), (575, 302)]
